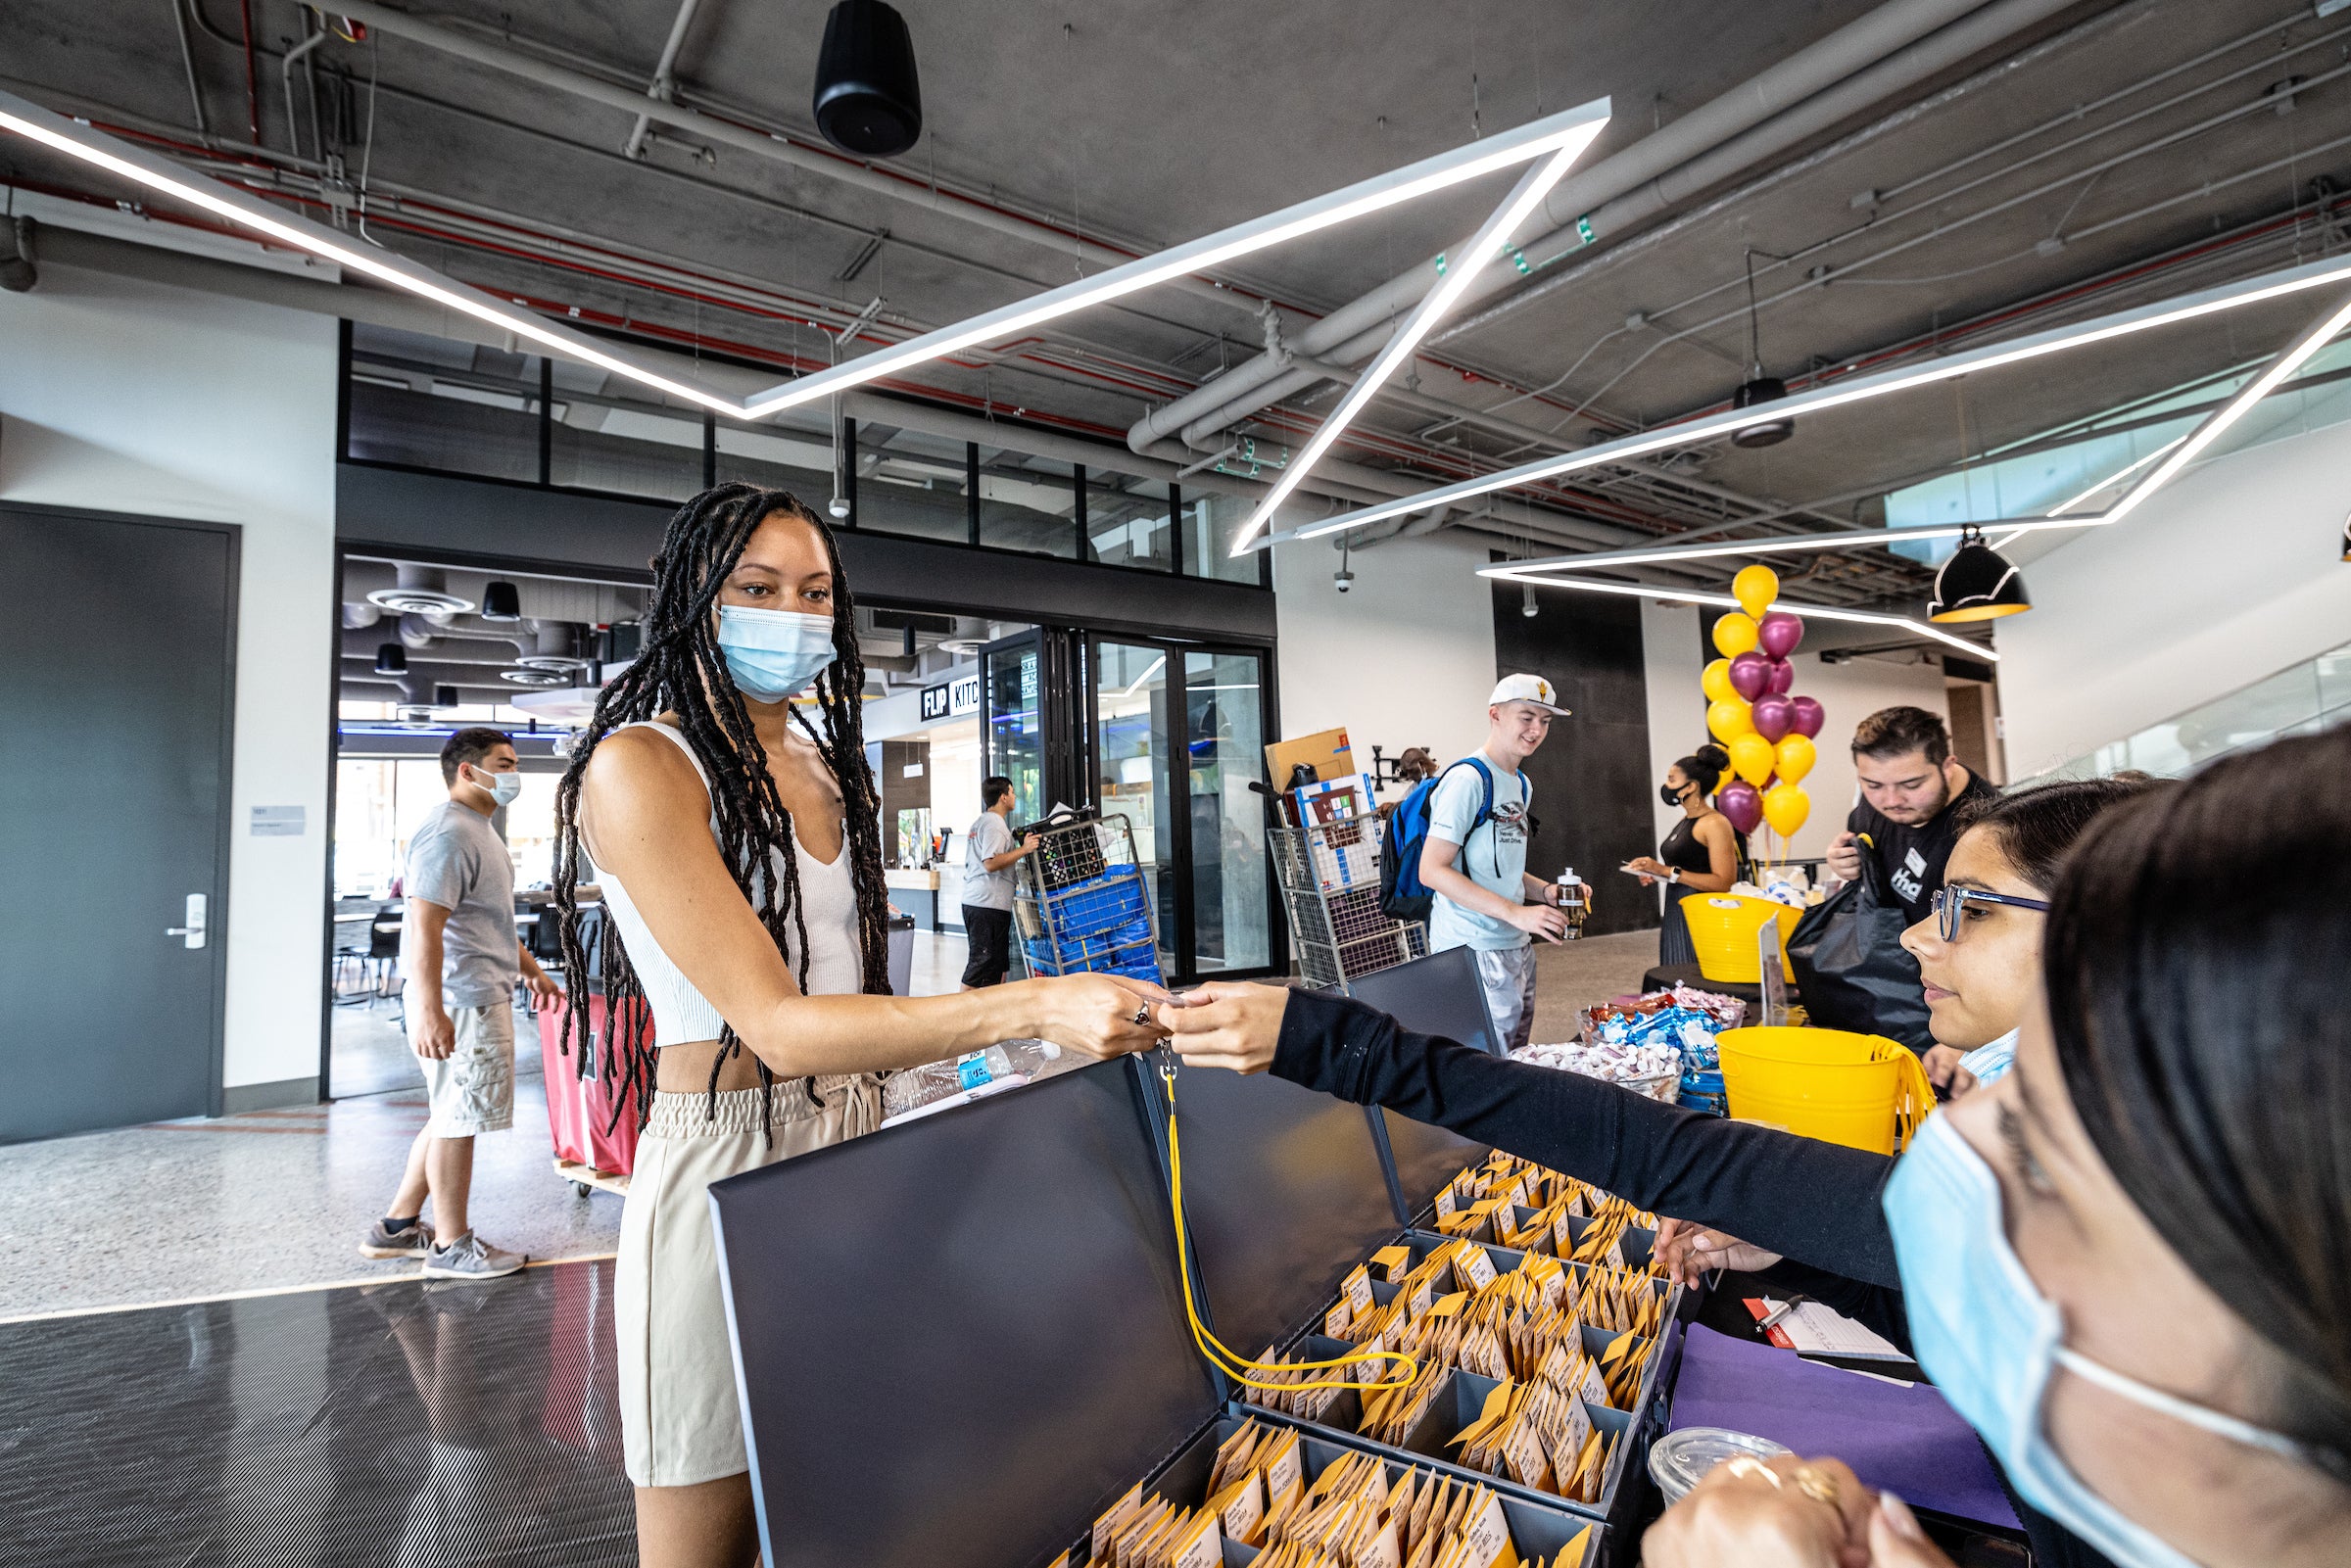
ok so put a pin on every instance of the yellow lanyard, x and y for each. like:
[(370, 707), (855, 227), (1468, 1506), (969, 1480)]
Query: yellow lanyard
[(1221, 1357)]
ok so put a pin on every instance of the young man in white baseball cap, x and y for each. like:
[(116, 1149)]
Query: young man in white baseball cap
[(1474, 858)]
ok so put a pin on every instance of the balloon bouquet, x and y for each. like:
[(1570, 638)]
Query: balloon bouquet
[(1767, 731)]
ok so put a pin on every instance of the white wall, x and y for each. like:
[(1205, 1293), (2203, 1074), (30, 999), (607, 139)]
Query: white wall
[(130, 398), (2227, 575), (1849, 694), (1677, 707), (1406, 658)]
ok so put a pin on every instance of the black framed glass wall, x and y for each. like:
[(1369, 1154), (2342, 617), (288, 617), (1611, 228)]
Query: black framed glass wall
[(439, 406)]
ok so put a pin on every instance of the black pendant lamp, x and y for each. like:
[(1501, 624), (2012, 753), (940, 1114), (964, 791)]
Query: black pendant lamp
[(391, 659), (501, 602), (445, 696), (1976, 584), (1758, 389), (869, 101)]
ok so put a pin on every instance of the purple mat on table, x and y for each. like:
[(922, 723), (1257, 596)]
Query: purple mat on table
[(1908, 1441)]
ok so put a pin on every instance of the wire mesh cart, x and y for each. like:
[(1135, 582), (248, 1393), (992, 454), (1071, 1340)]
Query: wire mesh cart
[(1329, 875), (1083, 902)]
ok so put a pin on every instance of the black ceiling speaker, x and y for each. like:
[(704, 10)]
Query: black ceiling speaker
[(1976, 584), (445, 696), (501, 602), (868, 98), (1771, 432), (391, 659)]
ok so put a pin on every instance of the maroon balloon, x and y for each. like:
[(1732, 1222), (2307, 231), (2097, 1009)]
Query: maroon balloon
[(1782, 676), (1742, 802), (1774, 716), (1749, 672), (1805, 716), (1778, 633)]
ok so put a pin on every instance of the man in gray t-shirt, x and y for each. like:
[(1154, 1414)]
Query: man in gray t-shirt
[(988, 856), (460, 960)]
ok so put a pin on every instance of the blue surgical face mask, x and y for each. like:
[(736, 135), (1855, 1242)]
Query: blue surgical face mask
[(773, 654), (504, 786), (1989, 1062), (1991, 1341)]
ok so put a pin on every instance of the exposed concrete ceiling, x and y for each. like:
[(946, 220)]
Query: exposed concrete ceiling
[(2108, 154)]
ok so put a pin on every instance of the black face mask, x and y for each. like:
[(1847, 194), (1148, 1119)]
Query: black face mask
[(1670, 794)]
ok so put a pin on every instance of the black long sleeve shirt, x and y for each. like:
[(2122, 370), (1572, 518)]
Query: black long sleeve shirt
[(1817, 1204)]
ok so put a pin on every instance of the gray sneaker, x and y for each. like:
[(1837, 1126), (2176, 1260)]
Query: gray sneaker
[(472, 1258), (381, 1242)]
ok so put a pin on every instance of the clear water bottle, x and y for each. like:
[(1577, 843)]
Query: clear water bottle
[(1575, 901), (978, 1067)]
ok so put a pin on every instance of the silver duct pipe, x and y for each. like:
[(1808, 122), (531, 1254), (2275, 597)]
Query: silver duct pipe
[(423, 631), (1893, 47), (665, 86), (863, 176)]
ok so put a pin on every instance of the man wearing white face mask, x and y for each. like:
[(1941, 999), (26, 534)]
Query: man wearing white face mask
[(461, 958)]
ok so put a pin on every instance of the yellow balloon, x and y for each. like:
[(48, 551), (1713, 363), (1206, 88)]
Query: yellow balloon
[(1786, 809), (1716, 683), (1729, 719), (1734, 633), (1755, 587), (1795, 758), (1752, 757)]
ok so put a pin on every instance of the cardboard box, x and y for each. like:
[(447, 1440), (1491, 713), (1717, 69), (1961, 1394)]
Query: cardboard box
[(1326, 752)]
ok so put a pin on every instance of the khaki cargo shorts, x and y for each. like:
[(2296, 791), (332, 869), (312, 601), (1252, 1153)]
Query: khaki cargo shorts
[(472, 1088)]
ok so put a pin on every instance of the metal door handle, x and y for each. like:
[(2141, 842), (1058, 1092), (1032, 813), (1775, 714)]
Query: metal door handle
[(193, 930)]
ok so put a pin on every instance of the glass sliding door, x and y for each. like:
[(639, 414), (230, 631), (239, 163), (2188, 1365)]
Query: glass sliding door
[(1012, 720), (1224, 733), (1133, 750)]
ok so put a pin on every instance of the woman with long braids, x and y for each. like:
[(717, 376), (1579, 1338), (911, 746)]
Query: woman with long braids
[(738, 846)]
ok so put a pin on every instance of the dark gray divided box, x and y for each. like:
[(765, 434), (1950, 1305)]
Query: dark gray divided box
[(959, 1340)]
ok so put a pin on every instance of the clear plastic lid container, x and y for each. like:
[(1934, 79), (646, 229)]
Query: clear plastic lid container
[(1679, 1460)]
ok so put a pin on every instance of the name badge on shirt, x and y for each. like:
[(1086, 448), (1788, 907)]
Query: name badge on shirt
[(1915, 862)]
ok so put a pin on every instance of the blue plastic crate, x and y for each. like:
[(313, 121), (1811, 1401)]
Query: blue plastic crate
[(1098, 904)]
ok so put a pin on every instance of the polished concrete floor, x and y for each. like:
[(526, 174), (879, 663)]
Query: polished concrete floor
[(400, 1423)]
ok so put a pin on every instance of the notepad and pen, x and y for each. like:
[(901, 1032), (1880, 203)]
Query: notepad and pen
[(1810, 1328)]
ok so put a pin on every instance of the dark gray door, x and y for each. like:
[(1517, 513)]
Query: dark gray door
[(117, 669)]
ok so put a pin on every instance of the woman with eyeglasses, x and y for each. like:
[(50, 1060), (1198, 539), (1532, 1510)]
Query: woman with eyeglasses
[(1978, 948)]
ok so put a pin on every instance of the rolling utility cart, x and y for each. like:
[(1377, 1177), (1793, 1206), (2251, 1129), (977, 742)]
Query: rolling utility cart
[(1083, 903), (1329, 875)]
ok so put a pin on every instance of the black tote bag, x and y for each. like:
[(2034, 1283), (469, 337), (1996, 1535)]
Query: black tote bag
[(1850, 968)]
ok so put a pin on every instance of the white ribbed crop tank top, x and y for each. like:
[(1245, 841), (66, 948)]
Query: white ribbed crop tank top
[(828, 901)]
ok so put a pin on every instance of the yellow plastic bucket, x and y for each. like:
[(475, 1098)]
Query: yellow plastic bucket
[(1724, 928), (1861, 1091)]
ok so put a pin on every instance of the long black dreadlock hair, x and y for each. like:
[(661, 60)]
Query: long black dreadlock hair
[(680, 668)]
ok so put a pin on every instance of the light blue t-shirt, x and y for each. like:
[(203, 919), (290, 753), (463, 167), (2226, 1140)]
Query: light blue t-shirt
[(1494, 856)]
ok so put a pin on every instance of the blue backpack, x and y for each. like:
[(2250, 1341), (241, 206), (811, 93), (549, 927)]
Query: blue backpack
[(1402, 894)]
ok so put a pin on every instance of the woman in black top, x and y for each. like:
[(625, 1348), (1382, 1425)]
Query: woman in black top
[(1703, 853), (2135, 1248)]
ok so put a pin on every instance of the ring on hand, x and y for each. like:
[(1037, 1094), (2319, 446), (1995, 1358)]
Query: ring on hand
[(1747, 1466), (1815, 1483), (1142, 1014)]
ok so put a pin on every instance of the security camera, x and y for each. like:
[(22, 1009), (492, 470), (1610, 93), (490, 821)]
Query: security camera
[(838, 507), (1343, 579)]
